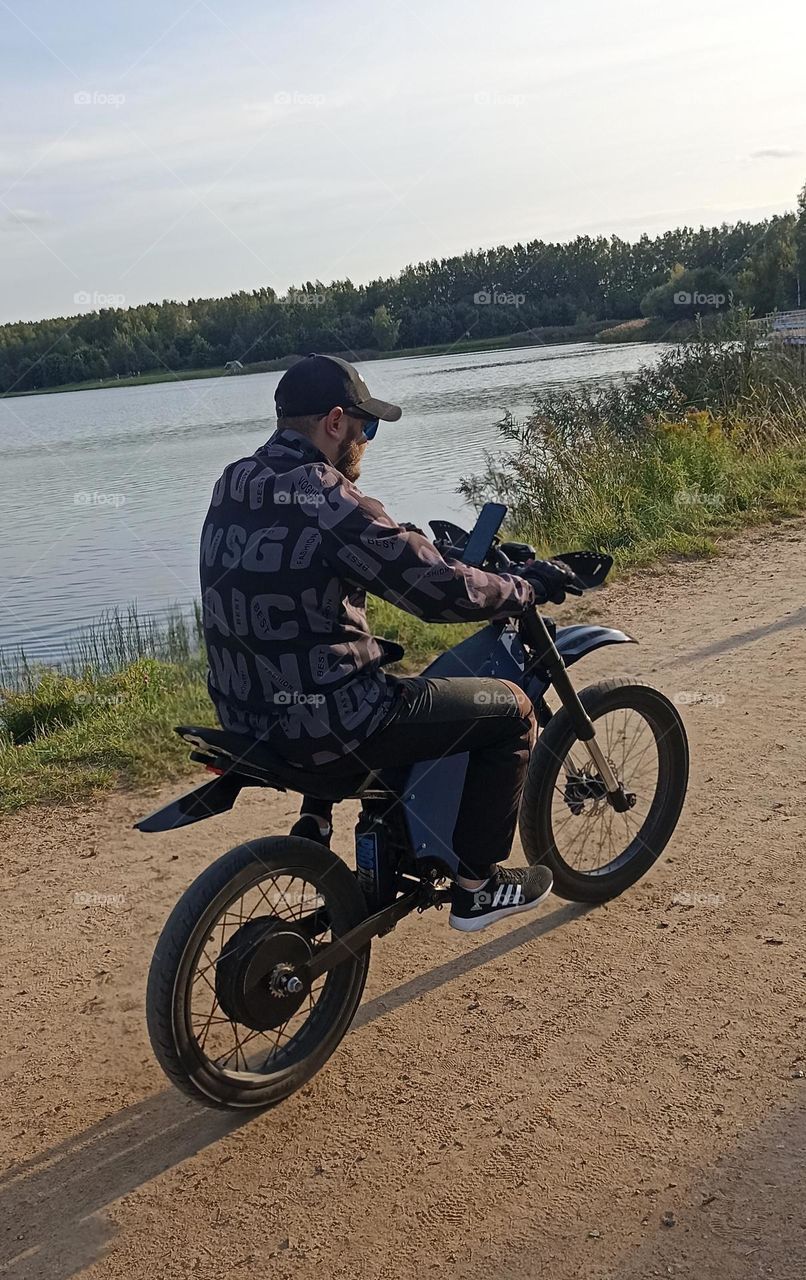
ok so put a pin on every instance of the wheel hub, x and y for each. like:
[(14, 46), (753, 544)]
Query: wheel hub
[(586, 785), (260, 980)]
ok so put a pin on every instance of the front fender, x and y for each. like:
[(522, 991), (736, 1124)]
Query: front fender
[(574, 642)]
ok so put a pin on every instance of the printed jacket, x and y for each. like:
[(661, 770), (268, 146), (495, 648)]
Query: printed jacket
[(289, 549)]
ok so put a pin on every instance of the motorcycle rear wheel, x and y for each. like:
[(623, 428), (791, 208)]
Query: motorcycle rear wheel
[(566, 822), (216, 998)]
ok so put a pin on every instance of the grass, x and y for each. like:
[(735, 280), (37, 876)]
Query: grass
[(64, 737), (709, 440), (671, 493), (106, 717)]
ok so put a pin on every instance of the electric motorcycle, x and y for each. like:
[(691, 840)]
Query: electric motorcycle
[(260, 967)]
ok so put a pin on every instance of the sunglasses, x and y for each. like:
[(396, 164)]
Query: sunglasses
[(370, 424)]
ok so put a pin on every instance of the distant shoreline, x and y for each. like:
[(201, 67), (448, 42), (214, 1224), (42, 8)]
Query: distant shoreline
[(628, 331)]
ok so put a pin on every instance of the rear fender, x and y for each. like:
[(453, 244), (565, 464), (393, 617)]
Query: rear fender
[(205, 802)]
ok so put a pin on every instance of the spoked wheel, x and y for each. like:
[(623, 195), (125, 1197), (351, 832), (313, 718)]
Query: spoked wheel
[(566, 820), (231, 1021)]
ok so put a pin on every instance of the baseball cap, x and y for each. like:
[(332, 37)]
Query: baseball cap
[(316, 384)]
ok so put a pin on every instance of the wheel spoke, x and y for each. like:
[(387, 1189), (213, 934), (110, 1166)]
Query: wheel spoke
[(223, 1040), (595, 840)]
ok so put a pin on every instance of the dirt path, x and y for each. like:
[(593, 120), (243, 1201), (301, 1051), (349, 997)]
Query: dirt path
[(615, 1094)]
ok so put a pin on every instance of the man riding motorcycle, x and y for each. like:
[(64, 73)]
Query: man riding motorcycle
[(289, 549)]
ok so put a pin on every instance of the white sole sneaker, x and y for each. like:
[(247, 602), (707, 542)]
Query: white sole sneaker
[(474, 924)]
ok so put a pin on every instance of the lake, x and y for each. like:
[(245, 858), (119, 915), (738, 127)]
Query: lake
[(105, 491)]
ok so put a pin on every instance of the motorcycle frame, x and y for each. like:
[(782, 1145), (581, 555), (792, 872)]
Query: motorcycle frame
[(430, 798), (533, 654)]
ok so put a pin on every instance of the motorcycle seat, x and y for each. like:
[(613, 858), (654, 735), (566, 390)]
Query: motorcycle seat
[(248, 758)]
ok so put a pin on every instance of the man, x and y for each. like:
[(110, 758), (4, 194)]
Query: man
[(289, 548)]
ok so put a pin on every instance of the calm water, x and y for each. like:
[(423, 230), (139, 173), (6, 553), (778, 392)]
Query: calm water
[(105, 491)]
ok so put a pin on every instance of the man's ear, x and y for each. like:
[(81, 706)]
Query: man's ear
[(334, 423)]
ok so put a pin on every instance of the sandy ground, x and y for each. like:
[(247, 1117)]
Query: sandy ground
[(616, 1093)]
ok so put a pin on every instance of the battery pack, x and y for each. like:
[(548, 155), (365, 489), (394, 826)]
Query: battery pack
[(375, 874)]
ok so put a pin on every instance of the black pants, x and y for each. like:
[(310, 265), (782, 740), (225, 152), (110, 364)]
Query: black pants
[(442, 716)]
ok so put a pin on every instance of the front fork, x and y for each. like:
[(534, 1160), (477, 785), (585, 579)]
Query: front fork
[(548, 657)]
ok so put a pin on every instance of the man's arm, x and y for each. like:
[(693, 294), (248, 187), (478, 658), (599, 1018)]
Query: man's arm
[(364, 545)]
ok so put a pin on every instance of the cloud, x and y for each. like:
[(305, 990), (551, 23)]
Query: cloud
[(775, 153)]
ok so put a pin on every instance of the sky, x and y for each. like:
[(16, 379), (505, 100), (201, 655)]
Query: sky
[(190, 148)]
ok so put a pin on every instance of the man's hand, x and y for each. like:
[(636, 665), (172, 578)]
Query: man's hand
[(412, 528), (550, 580)]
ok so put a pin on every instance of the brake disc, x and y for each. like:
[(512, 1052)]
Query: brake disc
[(584, 785)]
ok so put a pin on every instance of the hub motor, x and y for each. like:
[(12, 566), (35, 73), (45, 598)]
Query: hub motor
[(257, 982)]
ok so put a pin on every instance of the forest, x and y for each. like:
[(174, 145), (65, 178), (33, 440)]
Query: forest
[(484, 294)]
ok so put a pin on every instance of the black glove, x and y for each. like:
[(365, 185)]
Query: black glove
[(412, 528), (550, 580)]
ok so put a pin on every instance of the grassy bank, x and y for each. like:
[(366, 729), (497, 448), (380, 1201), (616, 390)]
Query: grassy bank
[(528, 338), (106, 716), (656, 329), (689, 481), (710, 439)]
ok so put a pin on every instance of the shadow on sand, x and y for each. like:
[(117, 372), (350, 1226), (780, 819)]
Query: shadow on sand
[(47, 1203)]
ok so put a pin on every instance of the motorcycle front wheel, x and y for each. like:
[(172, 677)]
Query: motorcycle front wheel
[(566, 821)]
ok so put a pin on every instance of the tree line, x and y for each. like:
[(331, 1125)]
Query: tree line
[(483, 294)]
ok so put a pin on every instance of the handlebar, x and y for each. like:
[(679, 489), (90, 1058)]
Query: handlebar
[(590, 567), (481, 547)]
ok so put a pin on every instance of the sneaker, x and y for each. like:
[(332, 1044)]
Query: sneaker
[(308, 827), (507, 892)]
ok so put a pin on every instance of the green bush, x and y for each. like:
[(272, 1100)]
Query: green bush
[(711, 437), (729, 370)]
